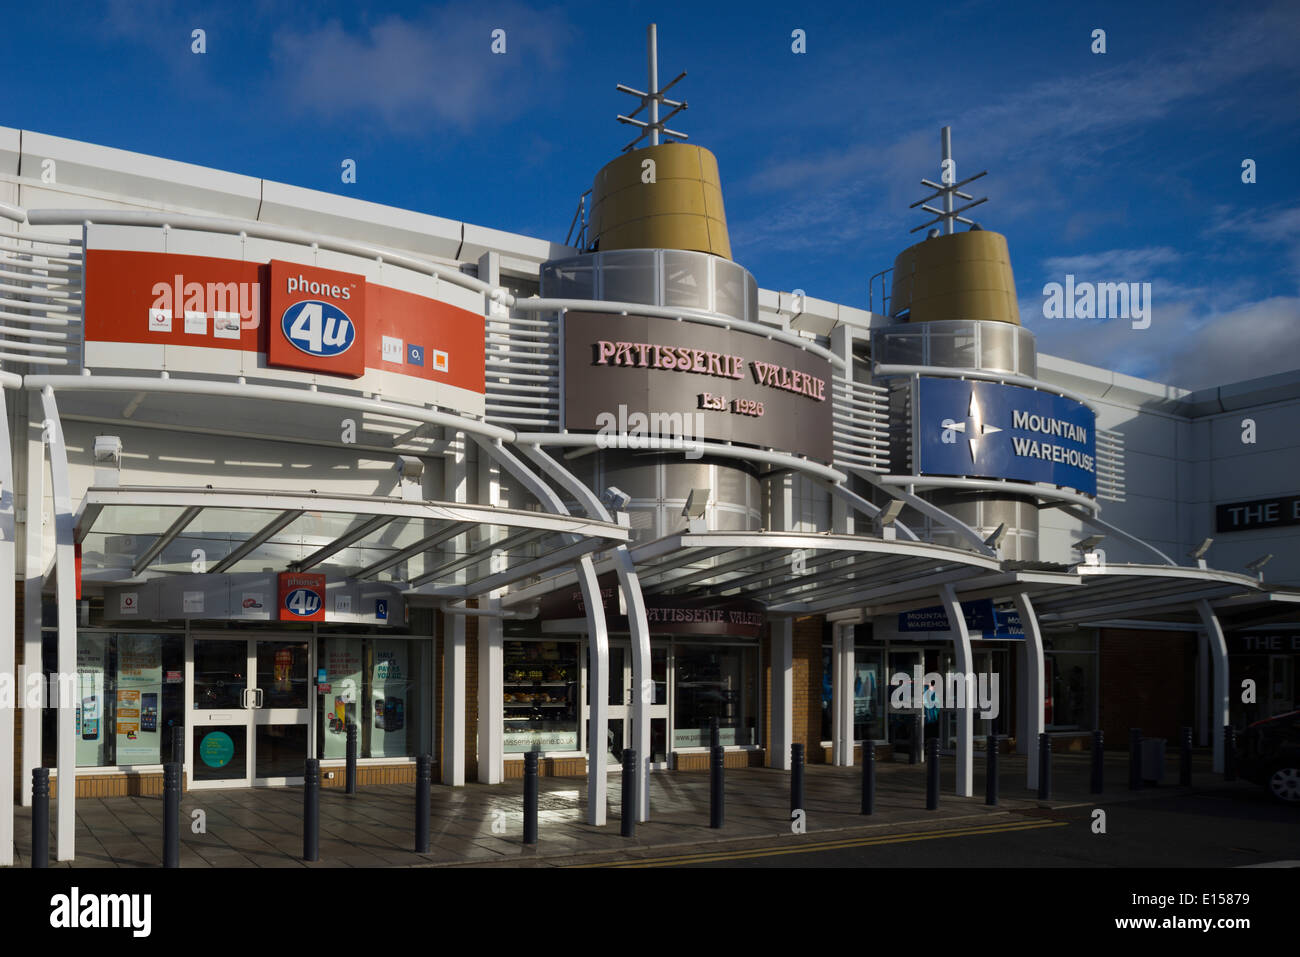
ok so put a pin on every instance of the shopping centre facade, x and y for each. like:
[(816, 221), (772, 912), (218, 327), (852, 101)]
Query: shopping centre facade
[(279, 461)]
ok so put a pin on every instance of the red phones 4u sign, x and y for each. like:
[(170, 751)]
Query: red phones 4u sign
[(316, 319), (302, 597)]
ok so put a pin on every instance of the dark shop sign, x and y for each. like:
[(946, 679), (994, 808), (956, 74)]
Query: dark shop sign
[(737, 618), (980, 616), (1257, 513), (631, 378), (1264, 644)]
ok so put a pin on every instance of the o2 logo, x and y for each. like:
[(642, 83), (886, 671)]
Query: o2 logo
[(318, 328), (302, 602)]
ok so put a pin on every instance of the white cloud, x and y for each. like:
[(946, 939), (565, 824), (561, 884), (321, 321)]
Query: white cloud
[(1128, 265), (1187, 345), (414, 73)]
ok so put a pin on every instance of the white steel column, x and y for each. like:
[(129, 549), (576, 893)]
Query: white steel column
[(453, 700), (1202, 689), (491, 691), (7, 656), (842, 697), (1218, 702), (65, 569), (454, 693), (1031, 723), (837, 697), (638, 625), (33, 584), (965, 666), (782, 655), (598, 692)]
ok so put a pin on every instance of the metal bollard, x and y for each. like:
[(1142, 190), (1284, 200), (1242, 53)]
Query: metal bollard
[(531, 789), (1185, 765), (423, 778), (171, 814), (1229, 753), (1135, 759), (1044, 766), (796, 777), (715, 735), (40, 817), (932, 774), (868, 777), (629, 793), (178, 743), (311, 811), (1098, 766), (991, 772), (351, 787), (717, 794)]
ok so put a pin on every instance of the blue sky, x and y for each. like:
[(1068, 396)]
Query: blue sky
[(1115, 167)]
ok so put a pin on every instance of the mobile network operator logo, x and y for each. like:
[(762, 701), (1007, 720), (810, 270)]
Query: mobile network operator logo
[(75, 910)]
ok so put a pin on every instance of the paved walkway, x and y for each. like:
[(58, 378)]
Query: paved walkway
[(481, 824)]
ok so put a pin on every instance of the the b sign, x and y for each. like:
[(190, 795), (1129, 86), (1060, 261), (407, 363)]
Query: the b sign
[(302, 597), (316, 319)]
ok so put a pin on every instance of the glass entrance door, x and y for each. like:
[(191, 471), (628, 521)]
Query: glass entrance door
[(249, 706), (621, 701)]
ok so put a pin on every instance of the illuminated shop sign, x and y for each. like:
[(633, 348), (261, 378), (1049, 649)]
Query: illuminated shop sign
[(1257, 513), (645, 375), (991, 430)]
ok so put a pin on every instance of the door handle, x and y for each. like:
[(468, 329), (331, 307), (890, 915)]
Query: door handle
[(243, 698), (257, 699)]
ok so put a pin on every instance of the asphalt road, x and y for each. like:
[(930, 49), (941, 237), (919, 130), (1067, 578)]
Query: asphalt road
[(1228, 828)]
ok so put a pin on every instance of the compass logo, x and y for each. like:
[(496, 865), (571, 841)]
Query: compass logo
[(973, 427)]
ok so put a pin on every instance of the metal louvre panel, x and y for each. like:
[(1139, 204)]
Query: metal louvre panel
[(1110, 466), (522, 381), (861, 425), (40, 298)]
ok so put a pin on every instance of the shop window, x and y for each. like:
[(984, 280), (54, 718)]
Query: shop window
[(868, 694), (715, 681), (541, 696), (127, 695), (1071, 688), (378, 684)]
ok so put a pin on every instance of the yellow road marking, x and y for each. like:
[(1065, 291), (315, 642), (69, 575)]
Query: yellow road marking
[(716, 856)]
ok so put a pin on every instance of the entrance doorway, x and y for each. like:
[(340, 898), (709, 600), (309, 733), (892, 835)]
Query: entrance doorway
[(249, 704), (621, 701)]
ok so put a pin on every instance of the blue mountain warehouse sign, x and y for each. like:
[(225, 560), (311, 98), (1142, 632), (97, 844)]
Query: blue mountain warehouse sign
[(992, 430)]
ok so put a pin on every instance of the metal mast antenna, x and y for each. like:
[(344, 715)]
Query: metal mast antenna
[(948, 188), (652, 99)]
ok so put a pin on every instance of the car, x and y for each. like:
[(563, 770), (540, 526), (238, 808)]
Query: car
[(1268, 753)]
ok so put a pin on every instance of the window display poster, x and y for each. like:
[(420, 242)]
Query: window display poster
[(139, 695), (92, 711), (339, 703), (864, 691), (388, 687)]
